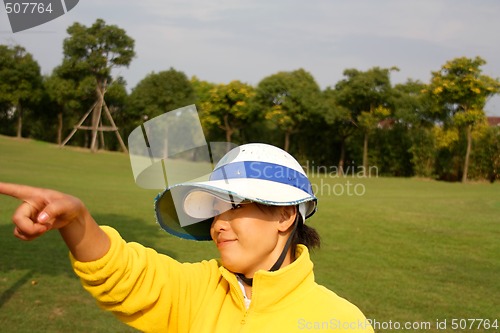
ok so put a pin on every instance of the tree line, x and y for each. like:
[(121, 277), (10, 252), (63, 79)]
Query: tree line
[(436, 129)]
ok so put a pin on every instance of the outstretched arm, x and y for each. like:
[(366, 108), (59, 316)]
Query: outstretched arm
[(44, 209)]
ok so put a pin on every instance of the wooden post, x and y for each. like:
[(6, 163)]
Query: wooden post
[(96, 116), (78, 125), (97, 124), (113, 126)]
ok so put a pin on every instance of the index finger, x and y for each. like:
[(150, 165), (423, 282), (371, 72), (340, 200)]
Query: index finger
[(21, 192)]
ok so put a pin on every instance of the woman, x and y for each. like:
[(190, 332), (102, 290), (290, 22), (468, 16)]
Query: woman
[(253, 207)]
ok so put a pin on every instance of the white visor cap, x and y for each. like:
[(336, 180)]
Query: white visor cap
[(253, 172)]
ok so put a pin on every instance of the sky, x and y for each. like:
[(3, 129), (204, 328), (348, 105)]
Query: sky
[(224, 40)]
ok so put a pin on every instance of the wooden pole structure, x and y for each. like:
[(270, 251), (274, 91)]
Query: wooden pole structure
[(113, 126), (78, 126), (97, 124)]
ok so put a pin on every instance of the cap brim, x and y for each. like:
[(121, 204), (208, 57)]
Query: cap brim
[(187, 210), (168, 218)]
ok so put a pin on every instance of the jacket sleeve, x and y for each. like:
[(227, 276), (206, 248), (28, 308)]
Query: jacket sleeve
[(146, 290)]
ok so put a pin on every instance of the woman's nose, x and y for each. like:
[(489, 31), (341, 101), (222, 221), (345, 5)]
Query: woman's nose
[(221, 223)]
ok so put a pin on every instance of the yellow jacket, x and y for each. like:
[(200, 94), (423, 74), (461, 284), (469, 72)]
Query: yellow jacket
[(154, 293)]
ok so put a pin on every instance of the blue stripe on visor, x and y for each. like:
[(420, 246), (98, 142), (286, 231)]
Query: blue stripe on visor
[(265, 171)]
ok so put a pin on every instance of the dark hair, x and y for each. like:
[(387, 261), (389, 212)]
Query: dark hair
[(305, 235)]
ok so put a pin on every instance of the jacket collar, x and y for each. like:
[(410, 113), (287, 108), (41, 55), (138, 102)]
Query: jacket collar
[(274, 290)]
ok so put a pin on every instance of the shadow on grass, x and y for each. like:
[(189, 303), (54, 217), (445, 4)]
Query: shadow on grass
[(8, 293), (48, 254)]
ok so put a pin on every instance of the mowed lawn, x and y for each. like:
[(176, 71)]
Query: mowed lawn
[(404, 250)]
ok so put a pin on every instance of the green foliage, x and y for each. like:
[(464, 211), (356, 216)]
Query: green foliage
[(158, 93), (228, 107), (95, 50), (391, 152), (288, 99), (334, 113), (20, 85), (369, 120), (116, 93), (460, 86), (486, 156), (367, 95), (68, 98), (201, 90), (460, 91), (63, 92), (447, 159), (19, 75), (423, 151), (413, 128), (364, 91), (411, 105)]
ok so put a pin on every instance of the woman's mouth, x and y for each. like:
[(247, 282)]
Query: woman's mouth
[(224, 242)]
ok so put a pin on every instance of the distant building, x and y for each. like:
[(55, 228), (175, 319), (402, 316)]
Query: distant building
[(493, 121), (386, 123)]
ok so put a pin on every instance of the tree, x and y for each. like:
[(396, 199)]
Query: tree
[(288, 99), (412, 107), (20, 82), (491, 147), (68, 95), (368, 121), (95, 51), (485, 158), (201, 90), (446, 141), (340, 118), (367, 95), (228, 107), (412, 111), (460, 91), (158, 93)]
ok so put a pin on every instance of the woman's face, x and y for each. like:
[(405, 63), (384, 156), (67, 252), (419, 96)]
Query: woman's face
[(249, 237)]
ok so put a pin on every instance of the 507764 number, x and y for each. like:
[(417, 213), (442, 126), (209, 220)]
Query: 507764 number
[(28, 7)]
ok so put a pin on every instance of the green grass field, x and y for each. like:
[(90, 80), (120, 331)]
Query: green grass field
[(403, 250)]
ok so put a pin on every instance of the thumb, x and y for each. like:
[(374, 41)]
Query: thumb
[(43, 217), (60, 211), (26, 224)]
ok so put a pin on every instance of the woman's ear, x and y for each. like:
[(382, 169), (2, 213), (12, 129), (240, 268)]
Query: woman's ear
[(287, 217)]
